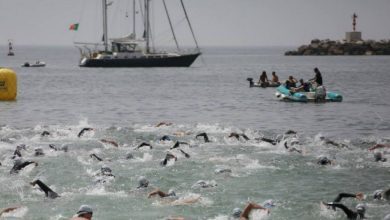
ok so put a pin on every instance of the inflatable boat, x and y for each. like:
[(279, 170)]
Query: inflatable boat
[(319, 95), (262, 85), (36, 64)]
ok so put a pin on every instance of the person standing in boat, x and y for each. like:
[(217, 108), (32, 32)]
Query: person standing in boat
[(317, 80), (263, 81)]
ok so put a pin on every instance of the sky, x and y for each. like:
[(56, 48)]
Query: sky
[(215, 22)]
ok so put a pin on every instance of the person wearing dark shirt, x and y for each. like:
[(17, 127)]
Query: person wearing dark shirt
[(317, 78), (303, 87), (291, 82)]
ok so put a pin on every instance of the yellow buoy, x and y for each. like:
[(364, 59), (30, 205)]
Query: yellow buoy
[(8, 84)]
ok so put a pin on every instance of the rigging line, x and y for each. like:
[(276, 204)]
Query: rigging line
[(189, 24), (80, 18), (170, 24)]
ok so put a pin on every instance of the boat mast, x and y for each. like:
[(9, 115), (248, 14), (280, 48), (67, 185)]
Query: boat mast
[(105, 37), (134, 19), (147, 28), (189, 24)]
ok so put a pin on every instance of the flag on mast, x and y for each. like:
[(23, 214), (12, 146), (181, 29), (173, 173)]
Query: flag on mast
[(74, 27)]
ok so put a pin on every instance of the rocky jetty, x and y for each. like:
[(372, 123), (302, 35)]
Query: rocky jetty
[(329, 47)]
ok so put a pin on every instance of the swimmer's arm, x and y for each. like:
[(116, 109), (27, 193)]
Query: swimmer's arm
[(347, 211), (379, 146), (43, 186), (346, 195), (26, 163), (8, 209), (248, 209), (157, 192)]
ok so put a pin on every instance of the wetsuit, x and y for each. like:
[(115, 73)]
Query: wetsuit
[(143, 144), (350, 214), (204, 135), (343, 195), (20, 165), (84, 130), (48, 192)]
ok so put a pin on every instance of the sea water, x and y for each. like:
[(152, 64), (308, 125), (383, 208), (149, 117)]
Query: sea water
[(212, 96)]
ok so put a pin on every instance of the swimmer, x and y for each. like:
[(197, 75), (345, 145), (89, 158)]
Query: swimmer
[(168, 157), (165, 138), (48, 192), (291, 149), (177, 144), (17, 151), (205, 137), (162, 194), (39, 152), (221, 170), (244, 215), (237, 136), (328, 141), (352, 215), (129, 156), (85, 212), (378, 156), (84, 130), (204, 184), (20, 164), (45, 133), (376, 146), (8, 209), (143, 144), (110, 142), (324, 161), (64, 148), (290, 132), (96, 157), (142, 182), (105, 171), (273, 142), (381, 194), (164, 123)]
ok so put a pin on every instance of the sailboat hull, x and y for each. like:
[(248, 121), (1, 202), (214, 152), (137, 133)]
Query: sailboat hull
[(174, 61)]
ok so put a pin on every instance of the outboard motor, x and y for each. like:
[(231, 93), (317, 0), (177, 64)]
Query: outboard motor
[(251, 83), (320, 94)]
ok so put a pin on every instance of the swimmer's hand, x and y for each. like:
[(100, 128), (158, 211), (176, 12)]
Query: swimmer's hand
[(359, 196)]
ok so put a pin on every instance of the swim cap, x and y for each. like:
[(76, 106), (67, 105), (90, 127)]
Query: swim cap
[(361, 208), (387, 217), (269, 204), (378, 194), (171, 193), (236, 212), (143, 182), (105, 169), (84, 209)]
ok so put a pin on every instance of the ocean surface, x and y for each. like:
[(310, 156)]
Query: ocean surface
[(212, 96)]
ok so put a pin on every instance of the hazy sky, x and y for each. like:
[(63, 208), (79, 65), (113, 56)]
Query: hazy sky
[(216, 22)]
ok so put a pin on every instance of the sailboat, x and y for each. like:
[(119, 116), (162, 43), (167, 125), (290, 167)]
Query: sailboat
[(132, 52), (10, 52)]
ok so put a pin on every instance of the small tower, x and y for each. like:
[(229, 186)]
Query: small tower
[(353, 36), (10, 49)]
